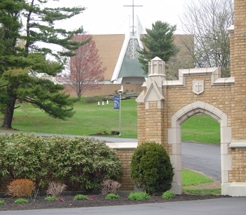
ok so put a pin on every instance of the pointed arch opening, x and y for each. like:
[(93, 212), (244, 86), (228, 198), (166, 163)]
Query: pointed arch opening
[(174, 139)]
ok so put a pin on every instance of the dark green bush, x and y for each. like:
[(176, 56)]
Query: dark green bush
[(83, 162), (151, 168)]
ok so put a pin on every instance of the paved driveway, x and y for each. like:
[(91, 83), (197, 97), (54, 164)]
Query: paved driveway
[(202, 157)]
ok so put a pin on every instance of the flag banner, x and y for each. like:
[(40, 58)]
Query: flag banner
[(116, 102)]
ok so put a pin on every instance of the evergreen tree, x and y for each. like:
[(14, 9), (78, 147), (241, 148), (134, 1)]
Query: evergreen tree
[(20, 63), (159, 41)]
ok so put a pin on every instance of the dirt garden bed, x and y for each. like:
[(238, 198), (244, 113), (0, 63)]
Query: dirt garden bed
[(67, 201)]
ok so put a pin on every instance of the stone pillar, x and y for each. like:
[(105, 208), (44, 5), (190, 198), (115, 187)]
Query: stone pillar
[(150, 104), (237, 175)]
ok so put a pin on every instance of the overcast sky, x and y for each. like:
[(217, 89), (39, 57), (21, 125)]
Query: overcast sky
[(112, 17)]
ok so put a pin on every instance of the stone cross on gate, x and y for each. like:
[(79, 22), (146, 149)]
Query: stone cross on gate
[(133, 6), (197, 86)]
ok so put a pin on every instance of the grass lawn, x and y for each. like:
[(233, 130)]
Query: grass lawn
[(89, 119), (202, 129), (191, 178)]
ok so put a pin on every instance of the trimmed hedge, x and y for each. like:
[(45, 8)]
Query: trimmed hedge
[(79, 161)]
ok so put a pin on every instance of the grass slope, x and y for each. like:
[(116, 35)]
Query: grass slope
[(202, 129), (89, 119)]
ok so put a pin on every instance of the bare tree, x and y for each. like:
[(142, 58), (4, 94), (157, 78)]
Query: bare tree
[(85, 67), (208, 21), (183, 59)]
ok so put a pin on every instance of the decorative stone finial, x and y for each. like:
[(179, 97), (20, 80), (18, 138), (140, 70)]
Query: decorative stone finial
[(157, 67)]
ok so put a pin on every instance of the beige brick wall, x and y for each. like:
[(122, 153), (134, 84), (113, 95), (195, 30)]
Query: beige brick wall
[(238, 173), (152, 124), (125, 156)]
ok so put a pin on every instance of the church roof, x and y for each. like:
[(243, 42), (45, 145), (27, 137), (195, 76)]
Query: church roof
[(131, 68), (109, 47)]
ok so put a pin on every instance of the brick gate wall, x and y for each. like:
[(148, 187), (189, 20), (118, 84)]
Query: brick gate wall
[(153, 122), (125, 156), (225, 100)]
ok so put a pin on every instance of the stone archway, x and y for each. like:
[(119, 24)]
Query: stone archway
[(174, 139), (164, 104)]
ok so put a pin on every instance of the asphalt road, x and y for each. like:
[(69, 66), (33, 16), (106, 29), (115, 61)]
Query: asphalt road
[(221, 206), (204, 158)]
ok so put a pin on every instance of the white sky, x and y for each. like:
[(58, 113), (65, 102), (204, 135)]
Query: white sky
[(111, 17)]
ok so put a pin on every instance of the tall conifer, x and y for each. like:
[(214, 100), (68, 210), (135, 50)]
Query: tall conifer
[(158, 42), (27, 33)]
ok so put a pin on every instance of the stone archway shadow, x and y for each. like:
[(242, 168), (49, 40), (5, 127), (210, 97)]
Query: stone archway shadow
[(174, 139)]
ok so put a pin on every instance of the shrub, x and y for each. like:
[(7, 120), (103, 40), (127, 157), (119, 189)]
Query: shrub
[(115, 132), (84, 161), (21, 201), (151, 168), (21, 188), (80, 197), (112, 196), (168, 195), (55, 188), (2, 202), (24, 156), (109, 186), (50, 198), (138, 196)]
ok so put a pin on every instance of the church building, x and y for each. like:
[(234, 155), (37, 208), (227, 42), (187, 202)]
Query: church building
[(119, 56)]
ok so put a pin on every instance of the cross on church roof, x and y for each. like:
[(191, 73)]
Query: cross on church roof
[(133, 6)]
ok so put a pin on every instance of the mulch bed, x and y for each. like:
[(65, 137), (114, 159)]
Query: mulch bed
[(95, 201)]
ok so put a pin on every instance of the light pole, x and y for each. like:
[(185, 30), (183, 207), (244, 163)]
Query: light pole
[(120, 92)]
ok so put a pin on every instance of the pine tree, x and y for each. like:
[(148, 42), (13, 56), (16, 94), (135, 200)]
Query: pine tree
[(158, 42), (20, 63)]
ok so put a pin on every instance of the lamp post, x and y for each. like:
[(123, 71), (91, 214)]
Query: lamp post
[(120, 92)]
